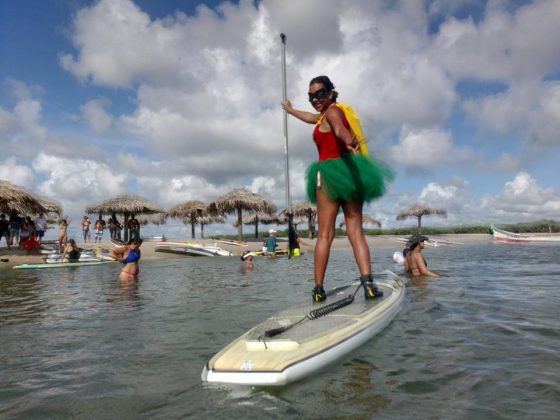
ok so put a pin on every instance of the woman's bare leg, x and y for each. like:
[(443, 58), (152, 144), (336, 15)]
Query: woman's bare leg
[(353, 219), (327, 210)]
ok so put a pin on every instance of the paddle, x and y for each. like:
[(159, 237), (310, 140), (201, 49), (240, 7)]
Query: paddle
[(292, 240)]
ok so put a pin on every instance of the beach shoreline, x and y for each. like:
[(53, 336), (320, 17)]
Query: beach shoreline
[(12, 257)]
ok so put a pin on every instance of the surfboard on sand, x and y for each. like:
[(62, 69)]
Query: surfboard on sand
[(302, 340)]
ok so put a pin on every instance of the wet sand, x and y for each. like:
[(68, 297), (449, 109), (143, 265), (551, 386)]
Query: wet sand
[(16, 256)]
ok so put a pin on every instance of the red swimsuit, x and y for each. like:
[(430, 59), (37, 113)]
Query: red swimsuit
[(328, 145)]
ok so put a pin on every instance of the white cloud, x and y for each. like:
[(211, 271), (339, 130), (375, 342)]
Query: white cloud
[(94, 113), (77, 182), (532, 108), (426, 148), (17, 174), (503, 46), (522, 199)]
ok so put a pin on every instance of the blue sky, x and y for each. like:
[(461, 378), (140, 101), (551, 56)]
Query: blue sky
[(179, 100)]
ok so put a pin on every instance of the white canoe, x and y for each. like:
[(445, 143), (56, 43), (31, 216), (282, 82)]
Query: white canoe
[(256, 360)]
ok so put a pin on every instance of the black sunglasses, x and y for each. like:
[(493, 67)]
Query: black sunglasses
[(320, 94)]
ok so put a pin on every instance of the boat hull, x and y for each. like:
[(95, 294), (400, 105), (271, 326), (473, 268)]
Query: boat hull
[(504, 236)]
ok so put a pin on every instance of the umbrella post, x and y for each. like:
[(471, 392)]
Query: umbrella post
[(239, 224), (125, 227)]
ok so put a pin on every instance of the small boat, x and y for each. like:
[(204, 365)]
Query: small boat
[(192, 249), (306, 338), (501, 235)]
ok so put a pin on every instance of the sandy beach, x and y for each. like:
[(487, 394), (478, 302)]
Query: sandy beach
[(12, 257)]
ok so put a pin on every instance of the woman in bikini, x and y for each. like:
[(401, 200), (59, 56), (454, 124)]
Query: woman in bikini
[(62, 235), (342, 177), (129, 255)]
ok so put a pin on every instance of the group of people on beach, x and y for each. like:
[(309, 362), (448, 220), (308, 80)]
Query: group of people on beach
[(22, 231)]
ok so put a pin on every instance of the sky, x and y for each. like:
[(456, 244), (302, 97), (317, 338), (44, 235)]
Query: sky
[(180, 100)]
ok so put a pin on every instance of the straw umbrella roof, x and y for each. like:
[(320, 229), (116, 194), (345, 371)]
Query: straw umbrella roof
[(154, 219), (187, 209), (125, 204), (190, 211), (236, 201), (51, 206), (13, 197), (418, 211), (303, 210), (241, 198)]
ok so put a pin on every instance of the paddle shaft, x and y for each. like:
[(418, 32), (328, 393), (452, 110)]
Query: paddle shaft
[(292, 244)]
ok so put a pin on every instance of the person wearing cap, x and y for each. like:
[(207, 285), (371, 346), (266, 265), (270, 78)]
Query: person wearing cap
[(271, 243), (414, 261), (247, 258), (71, 251)]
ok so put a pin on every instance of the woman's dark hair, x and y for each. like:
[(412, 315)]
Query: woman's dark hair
[(326, 82), (135, 241)]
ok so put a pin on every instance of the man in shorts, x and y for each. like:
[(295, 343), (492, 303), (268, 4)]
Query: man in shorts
[(99, 228), (40, 227), (5, 229)]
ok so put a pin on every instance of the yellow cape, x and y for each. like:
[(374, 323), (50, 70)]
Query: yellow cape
[(355, 126)]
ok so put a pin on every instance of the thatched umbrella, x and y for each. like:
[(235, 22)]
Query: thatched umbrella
[(13, 197), (206, 220), (238, 200), (260, 217), (306, 210), (365, 220), (190, 211), (419, 210), (154, 219), (126, 204)]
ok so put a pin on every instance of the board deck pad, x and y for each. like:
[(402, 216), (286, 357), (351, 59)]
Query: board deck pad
[(309, 329)]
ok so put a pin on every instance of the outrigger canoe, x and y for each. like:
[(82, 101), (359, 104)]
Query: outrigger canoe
[(304, 339)]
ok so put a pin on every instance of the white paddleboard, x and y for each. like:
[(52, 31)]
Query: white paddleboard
[(60, 265), (262, 358)]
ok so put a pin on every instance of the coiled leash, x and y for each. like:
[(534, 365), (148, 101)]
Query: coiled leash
[(314, 314)]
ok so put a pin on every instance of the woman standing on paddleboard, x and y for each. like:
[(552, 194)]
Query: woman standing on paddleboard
[(343, 176), (129, 255)]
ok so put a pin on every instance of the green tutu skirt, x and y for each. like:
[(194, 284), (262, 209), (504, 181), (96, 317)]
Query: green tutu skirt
[(352, 177)]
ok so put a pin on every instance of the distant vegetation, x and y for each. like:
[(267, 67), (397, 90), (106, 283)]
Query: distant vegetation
[(540, 226)]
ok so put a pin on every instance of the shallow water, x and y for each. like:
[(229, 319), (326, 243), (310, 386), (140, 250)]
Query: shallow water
[(480, 343)]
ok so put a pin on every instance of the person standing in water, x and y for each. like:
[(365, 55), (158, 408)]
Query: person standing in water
[(129, 255), (342, 177)]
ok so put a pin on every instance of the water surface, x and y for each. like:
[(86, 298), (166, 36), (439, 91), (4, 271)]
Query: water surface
[(481, 342)]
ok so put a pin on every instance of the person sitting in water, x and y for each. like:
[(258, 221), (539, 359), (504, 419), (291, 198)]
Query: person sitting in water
[(414, 262), (247, 258), (71, 251), (129, 255)]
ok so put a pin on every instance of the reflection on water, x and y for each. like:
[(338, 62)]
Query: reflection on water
[(481, 342)]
